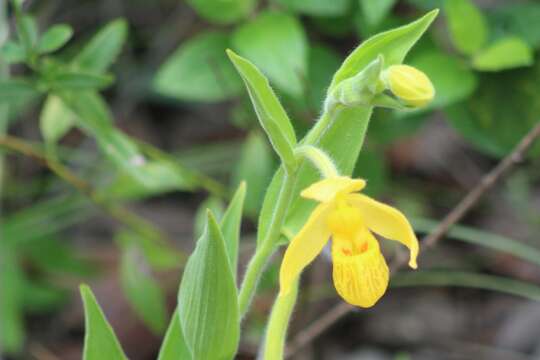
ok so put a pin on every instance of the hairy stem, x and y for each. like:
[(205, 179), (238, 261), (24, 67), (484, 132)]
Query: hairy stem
[(268, 245), (276, 335)]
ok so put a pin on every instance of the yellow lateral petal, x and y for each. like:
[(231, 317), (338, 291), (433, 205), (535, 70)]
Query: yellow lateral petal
[(327, 189), (387, 222), (362, 279), (305, 246)]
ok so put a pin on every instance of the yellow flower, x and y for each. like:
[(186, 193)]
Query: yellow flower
[(410, 85), (360, 272)]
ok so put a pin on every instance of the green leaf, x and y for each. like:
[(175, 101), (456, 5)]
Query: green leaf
[(162, 177), (212, 203), (230, 225), (497, 129), (334, 137), (101, 51), (199, 70), (317, 7), (55, 120), (27, 31), (174, 346), (223, 12), (277, 44), (94, 117), (142, 290), (466, 279), (483, 238), (467, 25), (54, 38), (12, 53), (99, 336), (505, 53), (207, 300), (76, 81), (375, 11), (14, 89), (452, 79), (255, 166), (271, 114)]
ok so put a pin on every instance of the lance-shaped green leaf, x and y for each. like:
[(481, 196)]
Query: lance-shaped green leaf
[(77, 80), (270, 112), (100, 52), (54, 38), (215, 205), (99, 336), (341, 133), (230, 225), (174, 345), (55, 120), (207, 299)]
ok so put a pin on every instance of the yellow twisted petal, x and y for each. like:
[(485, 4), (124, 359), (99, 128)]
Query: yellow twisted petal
[(387, 222), (327, 189), (361, 279), (305, 246)]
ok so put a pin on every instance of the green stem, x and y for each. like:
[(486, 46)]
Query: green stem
[(276, 335), (315, 134), (268, 245)]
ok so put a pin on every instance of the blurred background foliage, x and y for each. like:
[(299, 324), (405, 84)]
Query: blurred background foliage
[(139, 122)]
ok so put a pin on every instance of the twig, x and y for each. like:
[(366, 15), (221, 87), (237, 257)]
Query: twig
[(307, 335), (121, 214)]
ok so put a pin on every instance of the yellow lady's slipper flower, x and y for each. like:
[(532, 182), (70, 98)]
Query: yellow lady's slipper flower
[(410, 85), (360, 272)]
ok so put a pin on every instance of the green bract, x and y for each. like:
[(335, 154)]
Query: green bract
[(207, 299), (100, 338)]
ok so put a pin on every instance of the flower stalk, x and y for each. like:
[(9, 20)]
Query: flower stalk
[(268, 245), (278, 324)]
